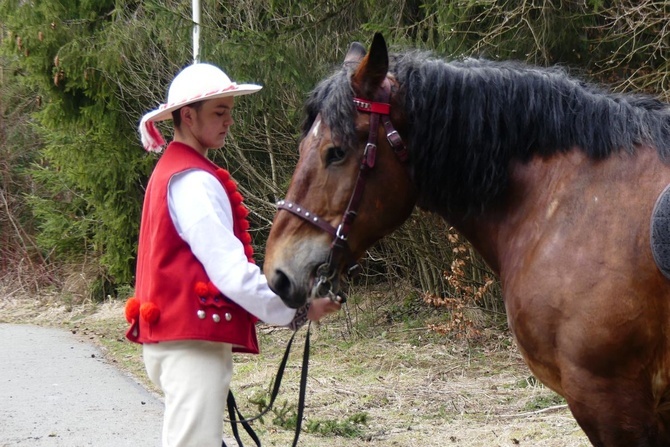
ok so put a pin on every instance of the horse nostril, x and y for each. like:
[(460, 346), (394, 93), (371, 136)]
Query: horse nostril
[(281, 284)]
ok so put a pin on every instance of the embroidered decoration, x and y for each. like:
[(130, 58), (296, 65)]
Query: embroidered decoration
[(132, 309), (210, 296)]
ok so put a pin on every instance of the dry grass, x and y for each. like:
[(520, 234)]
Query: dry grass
[(409, 386)]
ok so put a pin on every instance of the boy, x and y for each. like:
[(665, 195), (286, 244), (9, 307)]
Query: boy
[(198, 292)]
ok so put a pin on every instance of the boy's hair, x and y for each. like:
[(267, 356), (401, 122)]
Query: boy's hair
[(176, 114)]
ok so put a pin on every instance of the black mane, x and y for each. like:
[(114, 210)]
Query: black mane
[(469, 119)]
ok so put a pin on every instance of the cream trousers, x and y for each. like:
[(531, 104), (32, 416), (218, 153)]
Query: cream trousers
[(195, 377)]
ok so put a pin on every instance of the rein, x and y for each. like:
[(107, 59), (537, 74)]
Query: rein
[(234, 412), (379, 110)]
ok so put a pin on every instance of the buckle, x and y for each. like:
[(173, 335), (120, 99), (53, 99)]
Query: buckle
[(395, 140), (370, 155), (338, 233)]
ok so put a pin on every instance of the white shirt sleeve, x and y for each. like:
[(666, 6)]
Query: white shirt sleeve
[(202, 214)]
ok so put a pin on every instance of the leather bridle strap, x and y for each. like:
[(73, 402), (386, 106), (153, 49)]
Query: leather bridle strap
[(307, 215), (315, 220), (379, 110), (367, 163)]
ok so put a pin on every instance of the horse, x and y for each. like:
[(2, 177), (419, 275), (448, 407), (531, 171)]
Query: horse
[(558, 183)]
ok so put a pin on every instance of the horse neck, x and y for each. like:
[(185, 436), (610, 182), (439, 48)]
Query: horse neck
[(546, 198), (502, 230)]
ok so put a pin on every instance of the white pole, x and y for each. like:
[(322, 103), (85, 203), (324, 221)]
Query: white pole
[(196, 31)]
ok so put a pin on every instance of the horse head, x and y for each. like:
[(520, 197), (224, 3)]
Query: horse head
[(352, 184)]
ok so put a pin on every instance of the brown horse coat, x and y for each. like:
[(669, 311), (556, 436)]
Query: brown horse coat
[(552, 180)]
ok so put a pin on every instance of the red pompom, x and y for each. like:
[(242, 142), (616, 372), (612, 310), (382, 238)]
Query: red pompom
[(248, 250), (201, 288), (150, 313), (243, 224), (230, 186), (222, 174), (241, 212), (245, 238), (132, 309), (236, 198), (213, 291)]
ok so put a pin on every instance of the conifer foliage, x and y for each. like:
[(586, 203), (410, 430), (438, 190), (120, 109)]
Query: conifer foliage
[(76, 76)]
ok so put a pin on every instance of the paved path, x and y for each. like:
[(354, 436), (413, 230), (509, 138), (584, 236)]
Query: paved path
[(58, 391)]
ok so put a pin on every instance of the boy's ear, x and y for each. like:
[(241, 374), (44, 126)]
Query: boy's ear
[(186, 114)]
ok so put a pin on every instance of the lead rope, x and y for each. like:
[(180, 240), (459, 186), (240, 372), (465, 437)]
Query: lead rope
[(303, 386), (234, 412)]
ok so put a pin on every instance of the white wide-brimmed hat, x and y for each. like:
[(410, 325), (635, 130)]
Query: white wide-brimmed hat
[(197, 82)]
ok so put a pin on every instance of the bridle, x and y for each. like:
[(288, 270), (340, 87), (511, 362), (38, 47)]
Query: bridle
[(379, 109)]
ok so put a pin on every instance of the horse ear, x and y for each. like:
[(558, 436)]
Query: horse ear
[(373, 69), (355, 54), (379, 54)]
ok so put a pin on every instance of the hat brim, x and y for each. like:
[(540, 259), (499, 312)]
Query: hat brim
[(164, 112)]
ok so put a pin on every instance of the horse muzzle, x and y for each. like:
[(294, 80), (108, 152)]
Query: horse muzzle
[(324, 282)]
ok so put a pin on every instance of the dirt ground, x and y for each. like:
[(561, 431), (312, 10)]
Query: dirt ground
[(401, 387)]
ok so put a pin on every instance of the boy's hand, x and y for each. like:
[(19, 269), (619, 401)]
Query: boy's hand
[(321, 307)]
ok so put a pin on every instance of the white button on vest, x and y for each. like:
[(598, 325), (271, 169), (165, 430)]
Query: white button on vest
[(201, 314), (228, 316), (216, 318)]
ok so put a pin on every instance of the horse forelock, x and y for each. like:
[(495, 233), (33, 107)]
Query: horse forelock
[(470, 118), (332, 98)]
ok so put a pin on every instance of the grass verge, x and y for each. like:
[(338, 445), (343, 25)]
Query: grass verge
[(372, 382)]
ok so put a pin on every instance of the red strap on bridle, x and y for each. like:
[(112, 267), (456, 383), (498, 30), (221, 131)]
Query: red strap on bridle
[(384, 109), (366, 106)]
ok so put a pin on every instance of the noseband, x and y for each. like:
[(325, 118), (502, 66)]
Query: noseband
[(379, 109)]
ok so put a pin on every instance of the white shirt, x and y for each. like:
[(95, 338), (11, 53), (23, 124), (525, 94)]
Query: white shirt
[(202, 214)]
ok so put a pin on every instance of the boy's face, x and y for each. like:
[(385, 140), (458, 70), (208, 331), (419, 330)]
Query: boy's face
[(211, 122)]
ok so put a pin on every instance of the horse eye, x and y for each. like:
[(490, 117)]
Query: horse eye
[(335, 154)]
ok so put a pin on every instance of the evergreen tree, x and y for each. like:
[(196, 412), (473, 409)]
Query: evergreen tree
[(77, 75)]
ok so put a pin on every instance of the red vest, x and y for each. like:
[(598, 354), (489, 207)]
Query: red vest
[(174, 299)]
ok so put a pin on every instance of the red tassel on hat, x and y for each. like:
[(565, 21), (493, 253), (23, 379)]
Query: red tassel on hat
[(152, 140)]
